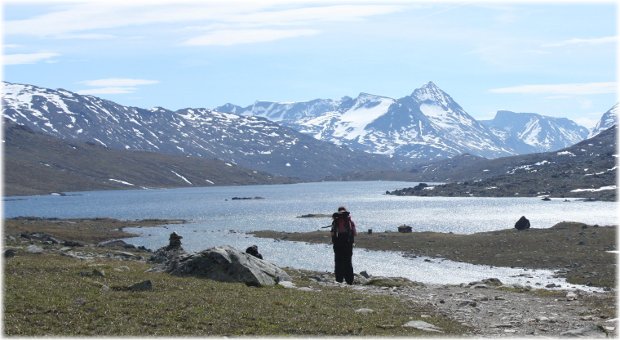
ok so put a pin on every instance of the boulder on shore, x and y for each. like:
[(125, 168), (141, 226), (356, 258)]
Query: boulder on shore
[(228, 264), (522, 224)]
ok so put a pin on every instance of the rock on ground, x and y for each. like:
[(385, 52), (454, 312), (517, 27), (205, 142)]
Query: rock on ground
[(423, 326), (228, 264)]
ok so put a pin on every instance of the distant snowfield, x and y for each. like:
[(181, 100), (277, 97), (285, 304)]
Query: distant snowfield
[(353, 122), (608, 187)]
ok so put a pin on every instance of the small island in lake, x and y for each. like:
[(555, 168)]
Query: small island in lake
[(314, 216)]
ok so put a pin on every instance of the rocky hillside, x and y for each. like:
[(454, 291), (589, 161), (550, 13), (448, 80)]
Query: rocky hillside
[(35, 163), (587, 169), (251, 142)]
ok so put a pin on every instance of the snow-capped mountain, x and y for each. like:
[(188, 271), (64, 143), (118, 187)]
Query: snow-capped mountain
[(427, 124), (249, 141), (609, 119), (531, 132)]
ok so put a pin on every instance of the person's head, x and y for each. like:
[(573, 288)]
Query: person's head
[(342, 209)]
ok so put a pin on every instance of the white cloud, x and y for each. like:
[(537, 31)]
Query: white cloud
[(114, 85), (87, 36), (235, 37), (561, 89), (118, 82), (85, 17), (28, 58), (587, 42), (94, 20), (109, 90)]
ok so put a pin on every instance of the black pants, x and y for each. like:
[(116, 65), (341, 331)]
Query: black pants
[(343, 252)]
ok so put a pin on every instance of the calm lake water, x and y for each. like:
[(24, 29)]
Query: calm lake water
[(215, 219)]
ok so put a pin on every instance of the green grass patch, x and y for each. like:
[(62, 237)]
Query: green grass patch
[(390, 282), (46, 295)]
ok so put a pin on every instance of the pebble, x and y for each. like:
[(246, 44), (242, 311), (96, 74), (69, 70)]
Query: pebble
[(423, 325), (307, 289), (141, 286), (286, 284), (34, 249), (571, 296), (364, 311)]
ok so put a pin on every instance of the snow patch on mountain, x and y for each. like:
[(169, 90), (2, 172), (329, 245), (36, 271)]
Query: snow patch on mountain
[(250, 141), (353, 122), (425, 125)]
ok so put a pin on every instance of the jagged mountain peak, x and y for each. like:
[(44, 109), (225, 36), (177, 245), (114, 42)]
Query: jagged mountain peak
[(158, 109), (609, 119), (431, 92)]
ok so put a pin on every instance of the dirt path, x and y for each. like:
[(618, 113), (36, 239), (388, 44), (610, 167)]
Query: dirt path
[(501, 311)]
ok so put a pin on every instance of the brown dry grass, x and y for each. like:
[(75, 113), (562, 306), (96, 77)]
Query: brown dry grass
[(92, 230)]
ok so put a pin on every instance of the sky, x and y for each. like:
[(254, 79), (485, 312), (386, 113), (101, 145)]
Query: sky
[(555, 58)]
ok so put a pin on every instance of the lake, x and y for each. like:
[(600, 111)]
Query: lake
[(214, 218)]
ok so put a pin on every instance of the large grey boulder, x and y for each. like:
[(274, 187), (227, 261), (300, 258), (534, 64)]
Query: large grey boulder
[(228, 264)]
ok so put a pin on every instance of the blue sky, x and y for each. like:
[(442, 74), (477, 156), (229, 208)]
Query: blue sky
[(555, 58)]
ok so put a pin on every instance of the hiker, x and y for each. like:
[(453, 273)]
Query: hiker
[(343, 233)]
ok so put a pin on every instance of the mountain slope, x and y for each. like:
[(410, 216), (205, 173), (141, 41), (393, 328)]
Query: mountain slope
[(586, 169), (251, 142), (36, 163), (531, 132), (609, 119)]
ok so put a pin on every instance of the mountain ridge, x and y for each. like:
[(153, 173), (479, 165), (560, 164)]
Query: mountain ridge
[(532, 132), (427, 124), (253, 142)]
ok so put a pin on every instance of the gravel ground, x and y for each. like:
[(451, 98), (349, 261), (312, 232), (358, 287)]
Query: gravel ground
[(493, 310)]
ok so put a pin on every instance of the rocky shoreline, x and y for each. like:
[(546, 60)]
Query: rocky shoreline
[(582, 253), (487, 308), (505, 186)]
